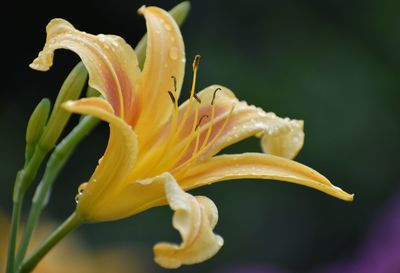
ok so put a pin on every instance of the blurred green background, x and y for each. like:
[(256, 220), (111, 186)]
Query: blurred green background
[(334, 64)]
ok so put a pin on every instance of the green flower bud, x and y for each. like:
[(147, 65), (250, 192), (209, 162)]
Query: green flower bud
[(91, 92), (36, 125), (70, 90)]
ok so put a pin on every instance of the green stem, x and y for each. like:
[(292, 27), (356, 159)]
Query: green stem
[(72, 223), (57, 160), (15, 218), (23, 179)]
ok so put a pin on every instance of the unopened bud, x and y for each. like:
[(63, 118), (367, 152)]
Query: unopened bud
[(70, 90), (91, 92), (37, 122)]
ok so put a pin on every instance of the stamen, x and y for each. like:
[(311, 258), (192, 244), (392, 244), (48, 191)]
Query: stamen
[(198, 124), (210, 128), (174, 78), (177, 131), (179, 170), (166, 159), (192, 95), (215, 93), (196, 62), (172, 97), (174, 158), (221, 130), (197, 98)]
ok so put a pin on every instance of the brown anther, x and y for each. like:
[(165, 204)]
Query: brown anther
[(174, 78), (197, 98), (196, 62), (172, 97), (198, 124), (215, 93)]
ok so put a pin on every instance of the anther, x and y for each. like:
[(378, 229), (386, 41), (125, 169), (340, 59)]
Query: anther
[(215, 93), (198, 124), (196, 62), (174, 78), (172, 97), (197, 98)]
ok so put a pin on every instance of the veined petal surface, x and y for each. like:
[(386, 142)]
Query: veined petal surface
[(213, 121), (259, 166), (111, 63), (119, 158), (163, 69)]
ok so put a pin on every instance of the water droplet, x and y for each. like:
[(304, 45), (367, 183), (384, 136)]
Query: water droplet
[(167, 27), (173, 53), (82, 188)]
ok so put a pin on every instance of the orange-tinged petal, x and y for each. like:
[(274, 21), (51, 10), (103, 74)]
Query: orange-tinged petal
[(259, 166), (195, 219), (163, 69), (132, 198), (119, 158), (110, 61), (280, 136), (222, 120)]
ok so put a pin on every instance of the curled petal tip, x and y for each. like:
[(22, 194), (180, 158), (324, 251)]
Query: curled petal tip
[(195, 219), (284, 138), (141, 10)]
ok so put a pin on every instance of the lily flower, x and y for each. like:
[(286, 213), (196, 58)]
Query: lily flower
[(157, 149)]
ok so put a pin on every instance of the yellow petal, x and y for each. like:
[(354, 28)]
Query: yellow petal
[(111, 62), (280, 136), (222, 120), (195, 219), (163, 69), (119, 158), (132, 197), (284, 138), (260, 166)]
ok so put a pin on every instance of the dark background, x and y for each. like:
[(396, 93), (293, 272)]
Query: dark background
[(334, 64)]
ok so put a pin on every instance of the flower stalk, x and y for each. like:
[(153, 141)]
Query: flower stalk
[(36, 153), (72, 223)]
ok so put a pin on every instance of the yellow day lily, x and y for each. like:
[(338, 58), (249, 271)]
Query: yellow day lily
[(157, 149)]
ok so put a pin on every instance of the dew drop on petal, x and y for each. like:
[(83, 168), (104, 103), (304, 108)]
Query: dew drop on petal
[(82, 188), (167, 27), (173, 53)]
